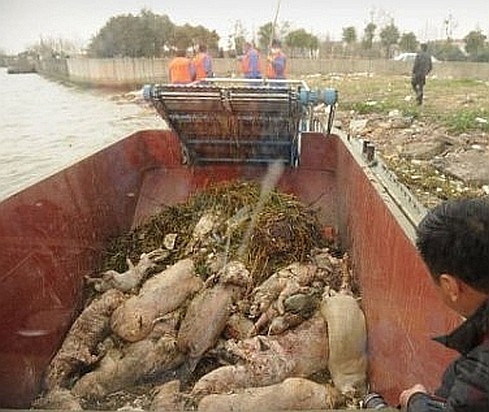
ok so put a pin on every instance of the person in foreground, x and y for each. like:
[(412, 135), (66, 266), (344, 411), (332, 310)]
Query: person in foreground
[(453, 239)]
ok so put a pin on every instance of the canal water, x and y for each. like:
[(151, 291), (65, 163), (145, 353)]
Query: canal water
[(46, 126)]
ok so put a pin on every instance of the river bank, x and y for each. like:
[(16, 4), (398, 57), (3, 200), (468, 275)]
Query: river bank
[(439, 150), (128, 73)]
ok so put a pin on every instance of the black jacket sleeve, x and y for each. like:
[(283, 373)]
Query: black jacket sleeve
[(465, 387), (471, 384), (422, 402)]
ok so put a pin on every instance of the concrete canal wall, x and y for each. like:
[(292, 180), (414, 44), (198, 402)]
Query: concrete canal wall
[(128, 72)]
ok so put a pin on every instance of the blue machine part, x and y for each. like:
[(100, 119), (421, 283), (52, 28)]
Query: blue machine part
[(326, 96), (148, 91)]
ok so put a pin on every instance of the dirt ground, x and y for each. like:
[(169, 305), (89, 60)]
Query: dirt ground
[(439, 150)]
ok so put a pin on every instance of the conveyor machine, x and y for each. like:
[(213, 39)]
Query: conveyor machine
[(240, 120)]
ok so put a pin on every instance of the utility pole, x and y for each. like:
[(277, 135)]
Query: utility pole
[(274, 24), (450, 25)]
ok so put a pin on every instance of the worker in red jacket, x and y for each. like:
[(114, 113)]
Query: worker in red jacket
[(181, 69), (276, 63), (203, 64)]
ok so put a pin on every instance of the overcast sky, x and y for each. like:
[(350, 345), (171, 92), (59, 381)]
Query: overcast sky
[(23, 22)]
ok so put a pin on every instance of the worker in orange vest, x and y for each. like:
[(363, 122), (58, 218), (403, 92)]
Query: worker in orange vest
[(181, 69), (276, 62), (251, 62), (203, 64)]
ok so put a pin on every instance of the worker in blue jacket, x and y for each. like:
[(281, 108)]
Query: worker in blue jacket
[(203, 64), (251, 62), (277, 62)]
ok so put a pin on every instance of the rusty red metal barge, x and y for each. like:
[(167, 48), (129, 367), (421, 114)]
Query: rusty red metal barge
[(52, 233)]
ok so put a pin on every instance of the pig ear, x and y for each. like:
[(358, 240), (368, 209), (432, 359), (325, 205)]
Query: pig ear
[(129, 264)]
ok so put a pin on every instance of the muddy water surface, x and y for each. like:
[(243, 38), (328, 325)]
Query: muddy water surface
[(46, 126)]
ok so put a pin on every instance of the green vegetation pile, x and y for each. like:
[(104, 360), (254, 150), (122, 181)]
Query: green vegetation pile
[(282, 231)]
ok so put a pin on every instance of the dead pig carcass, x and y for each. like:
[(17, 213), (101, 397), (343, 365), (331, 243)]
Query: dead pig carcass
[(299, 352), (124, 368), (132, 277), (347, 333), (209, 311), (268, 303), (80, 347), (135, 319), (291, 394)]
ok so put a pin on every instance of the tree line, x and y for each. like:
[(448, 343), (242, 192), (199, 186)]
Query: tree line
[(152, 35), (474, 48)]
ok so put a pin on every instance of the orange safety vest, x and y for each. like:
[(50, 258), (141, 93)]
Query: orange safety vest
[(181, 70), (200, 66)]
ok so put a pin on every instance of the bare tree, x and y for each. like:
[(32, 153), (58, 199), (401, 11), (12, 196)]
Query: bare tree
[(368, 36), (237, 39)]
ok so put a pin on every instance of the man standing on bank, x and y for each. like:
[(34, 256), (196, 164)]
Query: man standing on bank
[(422, 66), (453, 240), (203, 64), (276, 62), (181, 69), (251, 62)]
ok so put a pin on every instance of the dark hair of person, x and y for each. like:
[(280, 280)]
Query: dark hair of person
[(453, 238), (181, 53), (424, 47), (202, 48)]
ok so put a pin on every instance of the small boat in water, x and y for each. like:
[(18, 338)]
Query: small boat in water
[(20, 70), (21, 65)]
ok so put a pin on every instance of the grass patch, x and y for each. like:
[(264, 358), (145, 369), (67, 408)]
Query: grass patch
[(368, 107), (454, 103), (383, 107), (467, 120)]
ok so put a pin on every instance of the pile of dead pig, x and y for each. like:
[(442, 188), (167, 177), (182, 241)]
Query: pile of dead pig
[(237, 302)]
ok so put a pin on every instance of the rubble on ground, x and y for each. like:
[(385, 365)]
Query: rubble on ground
[(434, 161), (431, 162)]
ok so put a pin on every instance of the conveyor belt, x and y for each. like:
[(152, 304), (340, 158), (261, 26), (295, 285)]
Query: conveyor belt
[(234, 121)]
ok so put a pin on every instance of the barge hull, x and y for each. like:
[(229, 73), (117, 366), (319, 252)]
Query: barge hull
[(54, 233)]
